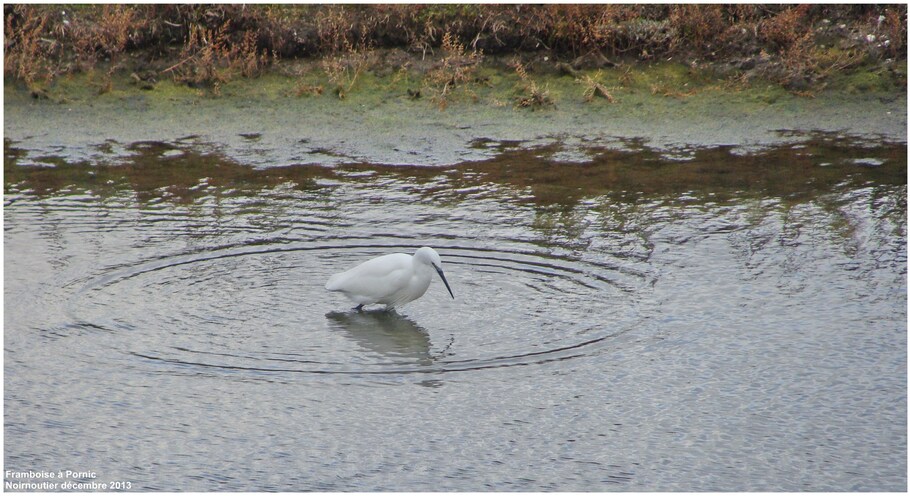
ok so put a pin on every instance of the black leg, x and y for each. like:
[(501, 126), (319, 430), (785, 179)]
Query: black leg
[(359, 308)]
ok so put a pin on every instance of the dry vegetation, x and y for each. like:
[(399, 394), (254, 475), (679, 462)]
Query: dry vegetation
[(345, 66), (210, 58), (531, 94), (456, 70), (798, 46), (595, 88)]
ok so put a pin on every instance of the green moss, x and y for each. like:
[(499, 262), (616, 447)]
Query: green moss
[(494, 84), (768, 94), (863, 81)]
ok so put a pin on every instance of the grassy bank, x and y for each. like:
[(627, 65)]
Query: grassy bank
[(445, 53)]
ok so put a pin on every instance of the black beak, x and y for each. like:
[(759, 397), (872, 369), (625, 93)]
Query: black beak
[(443, 277)]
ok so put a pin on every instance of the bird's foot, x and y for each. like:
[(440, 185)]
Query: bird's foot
[(359, 308)]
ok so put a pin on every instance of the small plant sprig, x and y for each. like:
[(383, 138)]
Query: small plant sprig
[(593, 87), (533, 96), (344, 69), (456, 70)]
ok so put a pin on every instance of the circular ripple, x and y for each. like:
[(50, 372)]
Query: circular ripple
[(262, 309)]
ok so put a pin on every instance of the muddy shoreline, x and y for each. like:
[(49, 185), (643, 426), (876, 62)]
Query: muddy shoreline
[(257, 122)]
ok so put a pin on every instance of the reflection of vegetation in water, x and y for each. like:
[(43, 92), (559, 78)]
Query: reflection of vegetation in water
[(154, 171), (792, 173), (626, 188), (706, 175)]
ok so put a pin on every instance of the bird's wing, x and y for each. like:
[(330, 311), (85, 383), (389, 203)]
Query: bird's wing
[(374, 277)]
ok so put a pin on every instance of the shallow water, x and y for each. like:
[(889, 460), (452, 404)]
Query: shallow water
[(630, 321)]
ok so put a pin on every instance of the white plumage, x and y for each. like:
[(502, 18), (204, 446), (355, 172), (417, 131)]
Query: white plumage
[(392, 280)]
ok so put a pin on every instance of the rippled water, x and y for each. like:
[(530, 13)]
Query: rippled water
[(631, 321)]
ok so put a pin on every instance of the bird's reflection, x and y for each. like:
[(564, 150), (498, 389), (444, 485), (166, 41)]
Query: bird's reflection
[(386, 333)]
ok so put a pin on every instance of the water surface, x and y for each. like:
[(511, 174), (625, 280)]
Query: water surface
[(624, 320)]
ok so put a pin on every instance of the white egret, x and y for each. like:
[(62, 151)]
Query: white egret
[(393, 279)]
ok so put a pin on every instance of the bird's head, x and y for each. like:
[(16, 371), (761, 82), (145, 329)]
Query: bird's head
[(428, 256)]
